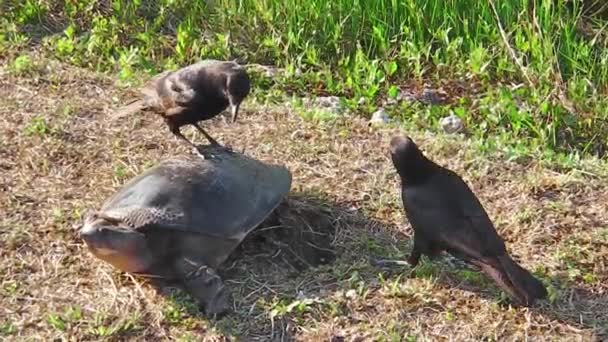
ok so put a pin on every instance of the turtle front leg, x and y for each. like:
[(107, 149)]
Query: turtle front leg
[(205, 285)]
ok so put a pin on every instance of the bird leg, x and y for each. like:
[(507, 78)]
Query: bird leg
[(414, 257), (413, 260), (211, 140), (175, 130), (421, 246)]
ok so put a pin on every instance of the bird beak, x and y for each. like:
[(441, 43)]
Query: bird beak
[(235, 112)]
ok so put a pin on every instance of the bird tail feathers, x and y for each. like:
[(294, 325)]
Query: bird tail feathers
[(129, 109), (515, 280), (523, 279)]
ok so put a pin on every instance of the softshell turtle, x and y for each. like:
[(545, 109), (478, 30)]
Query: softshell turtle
[(182, 218)]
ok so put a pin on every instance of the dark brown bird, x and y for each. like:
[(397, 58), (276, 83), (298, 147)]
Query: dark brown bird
[(194, 93), (447, 216)]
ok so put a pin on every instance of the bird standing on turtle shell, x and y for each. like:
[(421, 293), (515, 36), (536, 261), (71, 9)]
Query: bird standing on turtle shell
[(447, 216), (194, 93)]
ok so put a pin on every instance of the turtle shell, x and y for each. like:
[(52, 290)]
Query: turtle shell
[(224, 196)]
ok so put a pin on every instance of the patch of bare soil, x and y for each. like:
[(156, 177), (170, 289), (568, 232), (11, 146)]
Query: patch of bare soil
[(300, 233)]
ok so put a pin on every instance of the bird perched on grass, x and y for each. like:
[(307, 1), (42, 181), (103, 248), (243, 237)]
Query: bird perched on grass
[(193, 93), (447, 216)]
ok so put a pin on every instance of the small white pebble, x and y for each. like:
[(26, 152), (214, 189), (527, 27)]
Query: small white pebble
[(451, 124), (328, 101), (296, 134), (405, 95), (329, 104), (380, 117), (271, 72)]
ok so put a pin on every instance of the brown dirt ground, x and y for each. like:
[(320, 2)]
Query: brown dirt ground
[(52, 288)]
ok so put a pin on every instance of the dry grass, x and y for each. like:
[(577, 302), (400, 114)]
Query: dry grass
[(73, 158)]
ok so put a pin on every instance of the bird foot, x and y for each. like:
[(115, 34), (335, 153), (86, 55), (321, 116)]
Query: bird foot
[(413, 259), (204, 152), (226, 148), (395, 263), (196, 150), (388, 263)]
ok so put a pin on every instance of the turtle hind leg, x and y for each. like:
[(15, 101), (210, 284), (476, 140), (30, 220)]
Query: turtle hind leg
[(205, 285)]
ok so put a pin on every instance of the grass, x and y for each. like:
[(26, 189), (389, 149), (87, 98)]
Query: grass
[(528, 81), (530, 75), (552, 219)]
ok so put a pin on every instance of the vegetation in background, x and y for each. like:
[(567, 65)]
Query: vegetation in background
[(534, 85), (534, 72)]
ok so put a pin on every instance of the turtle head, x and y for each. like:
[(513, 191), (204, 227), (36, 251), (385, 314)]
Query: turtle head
[(110, 240)]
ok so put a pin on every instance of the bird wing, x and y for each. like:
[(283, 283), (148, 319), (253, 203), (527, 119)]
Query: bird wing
[(447, 212), (160, 92), (182, 88), (128, 109), (472, 210), (151, 87), (430, 218)]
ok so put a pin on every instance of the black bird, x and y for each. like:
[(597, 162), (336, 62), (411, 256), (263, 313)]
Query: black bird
[(447, 216), (193, 93)]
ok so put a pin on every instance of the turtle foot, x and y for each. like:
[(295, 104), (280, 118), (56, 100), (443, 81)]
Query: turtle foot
[(206, 286)]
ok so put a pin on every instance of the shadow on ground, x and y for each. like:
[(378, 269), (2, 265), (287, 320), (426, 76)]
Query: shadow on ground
[(578, 307), (567, 303), (283, 270), (76, 157), (292, 266)]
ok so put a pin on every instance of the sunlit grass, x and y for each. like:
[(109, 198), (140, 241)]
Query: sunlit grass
[(359, 49)]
